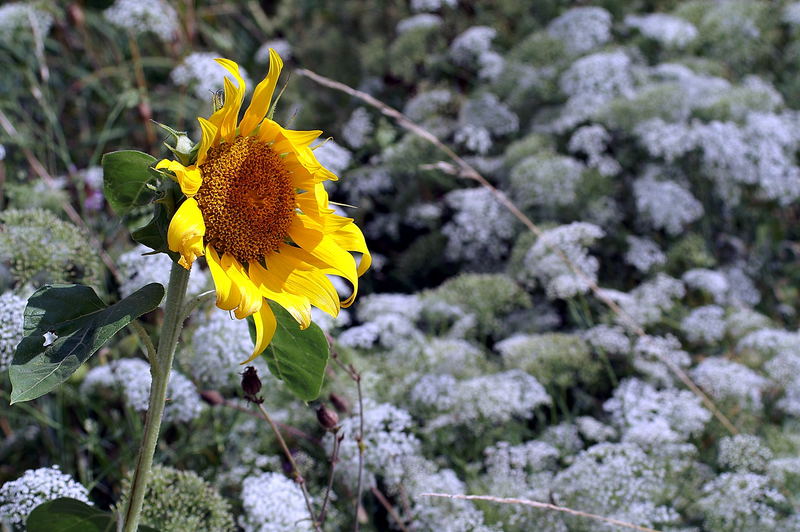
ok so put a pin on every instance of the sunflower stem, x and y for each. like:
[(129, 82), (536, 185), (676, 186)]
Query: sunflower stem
[(159, 369)]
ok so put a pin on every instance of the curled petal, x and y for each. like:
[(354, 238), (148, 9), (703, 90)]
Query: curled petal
[(186, 231), (251, 298), (188, 177), (265, 323), (228, 295)]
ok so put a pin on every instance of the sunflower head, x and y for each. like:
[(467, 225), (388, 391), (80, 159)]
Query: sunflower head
[(256, 208)]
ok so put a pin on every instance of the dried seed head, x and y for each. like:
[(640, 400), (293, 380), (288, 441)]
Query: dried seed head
[(327, 418), (251, 384)]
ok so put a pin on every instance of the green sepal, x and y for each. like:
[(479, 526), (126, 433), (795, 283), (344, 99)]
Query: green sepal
[(297, 357), (184, 149), (71, 515), (81, 323)]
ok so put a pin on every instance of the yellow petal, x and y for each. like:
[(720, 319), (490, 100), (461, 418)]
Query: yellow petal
[(304, 280), (188, 177), (262, 96), (272, 288), (251, 298), (226, 117), (186, 231), (209, 137), (228, 295), (265, 323)]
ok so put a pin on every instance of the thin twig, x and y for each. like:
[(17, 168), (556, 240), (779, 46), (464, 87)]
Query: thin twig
[(68, 208), (337, 441), (543, 506), (356, 376), (298, 477), (294, 431), (389, 508), (463, 169)]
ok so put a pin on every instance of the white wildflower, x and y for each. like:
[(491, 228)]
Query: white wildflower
[(332, 156), (744, 452), (704, 324), (593, 141), (19, 497), (713, 283), (357, 129), (740, 501), (17, 17), (648, 416), (546, 264), (724, 379), (481, 228), (273, 503), (432, 5), (665, 204), (668, 30), (467, 47), (542, 180), (643, 254), (155, 16), (281, 46), (12, 308), (610, 338), (655, 354), (419, 21), (582, 29), (136, 269)]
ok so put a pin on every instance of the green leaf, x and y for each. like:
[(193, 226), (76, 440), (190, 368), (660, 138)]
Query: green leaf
[(72, 515), (126, 176), (81, 322), (297, 357)]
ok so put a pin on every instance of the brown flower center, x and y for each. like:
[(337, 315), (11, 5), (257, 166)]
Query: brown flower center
[(247, 199)]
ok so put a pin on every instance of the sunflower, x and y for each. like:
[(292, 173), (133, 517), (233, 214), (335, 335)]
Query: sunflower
[(257, 210)]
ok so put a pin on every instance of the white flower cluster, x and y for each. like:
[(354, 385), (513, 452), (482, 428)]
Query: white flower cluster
[(419, 21), (428, 103), (19, 497), (668, 30), (481, 119), (203, 75), (541, 180), (582, 29), (481, 228), (273, 503), (740, 501), (725, 379), (136, 269), (155, 16), (18, 16), (744, 452), (617, 480), (650, 354), (132, 375), (704, 324), (281, 46), (649, 417), (12, 309), (498, 397), (431, 5), (648, 302), (590, 82), (546, 265), (357, 129), (388, 443), (711, 282), (610, 338), (218, 345), (643, 253), (593, 141), (665, 204), (791, 13), (468, 47)]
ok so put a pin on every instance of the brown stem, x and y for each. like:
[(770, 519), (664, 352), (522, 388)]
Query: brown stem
[(389, 508), (295, 470), (337, 441)]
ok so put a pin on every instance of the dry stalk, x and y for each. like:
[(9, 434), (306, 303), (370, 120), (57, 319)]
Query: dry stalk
[(463, 169)]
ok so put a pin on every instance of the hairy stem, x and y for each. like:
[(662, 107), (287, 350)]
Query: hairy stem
[(159, 369)]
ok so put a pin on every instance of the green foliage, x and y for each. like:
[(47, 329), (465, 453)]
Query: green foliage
[(296, 356), (126, 176), (690, 251), (81, 323), (177, 501), (491, 298), (69, 515), (37, 248), (555, 359)]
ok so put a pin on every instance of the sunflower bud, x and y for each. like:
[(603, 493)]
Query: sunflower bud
[(251, 384), (327, 418)]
